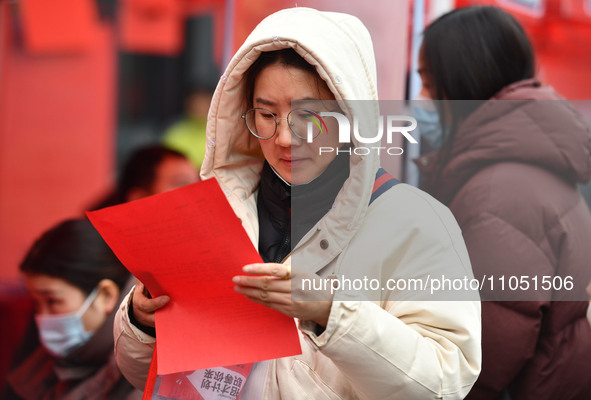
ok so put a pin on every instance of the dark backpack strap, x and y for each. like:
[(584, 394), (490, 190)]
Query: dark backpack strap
[(383, 182)]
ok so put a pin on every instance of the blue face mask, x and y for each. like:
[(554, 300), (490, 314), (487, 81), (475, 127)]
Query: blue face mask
[(62, 334), (427, 117)]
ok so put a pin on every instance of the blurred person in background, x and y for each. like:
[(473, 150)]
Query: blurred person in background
[(508, 170), (589, 307), (77, 284), (187, 136), (151, 170)]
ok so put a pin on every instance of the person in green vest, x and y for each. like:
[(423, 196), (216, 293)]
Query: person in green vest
[(188, 135)]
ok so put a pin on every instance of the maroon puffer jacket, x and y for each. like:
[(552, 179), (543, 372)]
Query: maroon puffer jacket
[(511, 184)]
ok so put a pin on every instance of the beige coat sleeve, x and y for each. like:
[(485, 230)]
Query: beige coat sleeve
[(411, 350), (133, 348)]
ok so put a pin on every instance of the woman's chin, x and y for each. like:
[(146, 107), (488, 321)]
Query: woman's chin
[(295, 172)]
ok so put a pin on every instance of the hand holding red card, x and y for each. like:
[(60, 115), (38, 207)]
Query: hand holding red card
[(188, 244)]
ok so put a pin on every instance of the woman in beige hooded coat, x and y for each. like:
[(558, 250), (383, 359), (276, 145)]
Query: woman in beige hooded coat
[(372, 345)]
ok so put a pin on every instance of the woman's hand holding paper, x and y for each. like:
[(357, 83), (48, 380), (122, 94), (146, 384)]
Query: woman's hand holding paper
[(144, 306), (270, 284)]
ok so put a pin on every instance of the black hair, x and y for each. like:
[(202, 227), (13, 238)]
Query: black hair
[(75, 252), (139, 171), (287, 57), (471, 54)]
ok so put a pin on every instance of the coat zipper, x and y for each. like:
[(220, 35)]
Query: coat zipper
[(282, 247)]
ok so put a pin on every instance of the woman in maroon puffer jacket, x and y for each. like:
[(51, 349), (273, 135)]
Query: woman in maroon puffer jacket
[(508, 167)]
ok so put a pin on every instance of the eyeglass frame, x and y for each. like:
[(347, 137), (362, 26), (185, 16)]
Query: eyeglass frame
[(277, 119)]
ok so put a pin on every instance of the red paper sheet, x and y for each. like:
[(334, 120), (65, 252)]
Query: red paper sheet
[(188, 244)]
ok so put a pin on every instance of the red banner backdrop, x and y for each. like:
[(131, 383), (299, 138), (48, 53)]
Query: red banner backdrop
[(52, 27), (157, 26), (560, 31), (57, 130)]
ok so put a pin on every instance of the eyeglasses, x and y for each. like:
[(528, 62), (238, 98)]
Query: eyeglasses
[(305, 124)]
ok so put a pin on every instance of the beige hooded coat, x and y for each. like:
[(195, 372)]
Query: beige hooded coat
[(396, 346)]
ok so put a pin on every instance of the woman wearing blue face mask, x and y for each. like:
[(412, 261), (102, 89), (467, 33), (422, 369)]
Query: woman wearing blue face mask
[(76, 283)]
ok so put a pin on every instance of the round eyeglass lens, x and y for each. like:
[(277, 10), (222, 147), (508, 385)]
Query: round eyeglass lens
[(306, 124), (260, 122)]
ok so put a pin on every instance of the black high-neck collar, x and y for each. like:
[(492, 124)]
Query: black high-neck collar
[(286, 212)]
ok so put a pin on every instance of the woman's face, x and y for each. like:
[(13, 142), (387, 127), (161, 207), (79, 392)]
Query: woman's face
[(172, 173), (296, 160), (55, 296), (427, 90)]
